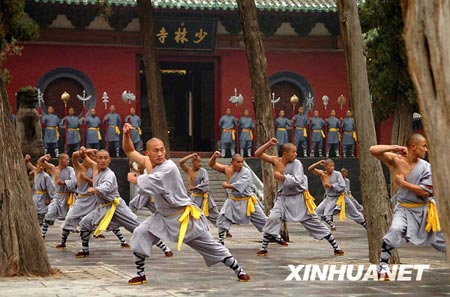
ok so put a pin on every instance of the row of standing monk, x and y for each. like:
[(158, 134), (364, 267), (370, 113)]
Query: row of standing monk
[(311, 133)]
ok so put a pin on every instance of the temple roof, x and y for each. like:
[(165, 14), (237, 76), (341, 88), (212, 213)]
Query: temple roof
[(267, 5)]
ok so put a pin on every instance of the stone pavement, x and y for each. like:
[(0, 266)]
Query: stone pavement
[(107, 270)]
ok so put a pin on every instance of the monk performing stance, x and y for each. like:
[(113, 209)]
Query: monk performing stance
[(293, 202), (177, 218), (415, 217)]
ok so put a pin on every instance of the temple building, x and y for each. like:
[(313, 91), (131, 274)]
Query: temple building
[(93, 48)]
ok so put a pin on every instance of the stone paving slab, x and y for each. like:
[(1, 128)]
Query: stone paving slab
[(107, 270)]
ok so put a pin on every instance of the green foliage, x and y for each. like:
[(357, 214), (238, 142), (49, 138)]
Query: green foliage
[(387, 64), (14, 27)]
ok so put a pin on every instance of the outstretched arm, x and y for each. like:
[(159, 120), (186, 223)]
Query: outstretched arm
[(128, 148), (215, 165), (261, 151), (313, 168), (386, 153)]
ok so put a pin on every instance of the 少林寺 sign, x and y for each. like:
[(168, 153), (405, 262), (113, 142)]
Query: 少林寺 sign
[(185, 34)]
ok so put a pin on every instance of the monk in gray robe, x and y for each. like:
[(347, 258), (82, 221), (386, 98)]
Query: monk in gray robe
[(335, 201), (301, 123), (415, 218), (228, 138), (43, 189), (198, 182), (177, 218), (334, 136), (317, 135), (65, 183), (293, 202), (93, 134), (73, 131), (241, 206), (246, 127), (348, 135), (113, 122), (111, 211), (282, 124), (348, 191)]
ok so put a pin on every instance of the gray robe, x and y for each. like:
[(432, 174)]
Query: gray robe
[(42, 183), (290, 204), (333, 124), (51, 123), (301, 123), (58, 208), (93, 123), (281, 124), (166, 186), (106, 185), (235, 211), (244, 136), (227, 122), (348, 192), (348, 127), (73, 129), (328, 205), (409, 223), (316, 125), (113, 120), (202, 186), (84, 204), (135, 121)]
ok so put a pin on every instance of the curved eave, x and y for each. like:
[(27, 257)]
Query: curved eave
[(224, 5)]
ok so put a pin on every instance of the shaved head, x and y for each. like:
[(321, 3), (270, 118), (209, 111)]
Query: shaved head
[(153, 140), (414, 139)]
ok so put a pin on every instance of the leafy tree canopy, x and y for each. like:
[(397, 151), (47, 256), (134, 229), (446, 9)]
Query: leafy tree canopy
[(15, 27), (387, 64)]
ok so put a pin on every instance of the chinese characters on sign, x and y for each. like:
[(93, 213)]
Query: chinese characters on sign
[(197, 35)]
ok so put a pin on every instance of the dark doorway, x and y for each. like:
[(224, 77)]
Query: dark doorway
[(188, 90)]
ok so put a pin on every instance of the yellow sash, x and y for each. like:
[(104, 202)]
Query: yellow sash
[(341, 202), (40, 192), (336, 130), (309, 200), (117, 130), (54, 128), (188, 211), (354, 135), (99, 135), (138, 129), (433, 224), (205, 202), (71, 199), (104, 223), (321, 132), (233, 136), (305, 134), (281, 129), (249, 131), (78, 132), (250, 205)]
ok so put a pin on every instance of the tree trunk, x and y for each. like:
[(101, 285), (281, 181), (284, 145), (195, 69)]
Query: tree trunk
[(378, 212), (401, 129), (257, 64), (22, 250), (152, 72), (428, 50)]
